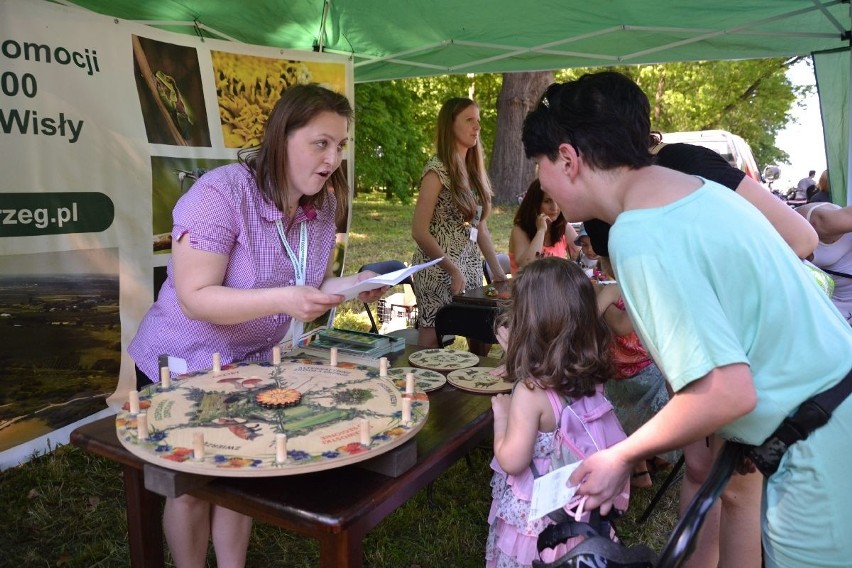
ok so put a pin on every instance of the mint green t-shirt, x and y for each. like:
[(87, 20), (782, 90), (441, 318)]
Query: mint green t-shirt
[(708, 282)]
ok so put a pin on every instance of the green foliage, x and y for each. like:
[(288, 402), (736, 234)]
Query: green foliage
[(396, 127), (389, 152), (433, 91), (65, 508), (751, 98), (396, 119), (348, 319)]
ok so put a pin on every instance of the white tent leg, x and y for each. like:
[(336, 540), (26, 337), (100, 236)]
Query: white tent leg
[(849, 147)]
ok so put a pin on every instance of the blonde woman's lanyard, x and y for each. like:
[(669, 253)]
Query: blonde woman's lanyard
[(300, 266)]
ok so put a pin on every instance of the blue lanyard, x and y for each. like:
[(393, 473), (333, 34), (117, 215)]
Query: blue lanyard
[(300, 267)]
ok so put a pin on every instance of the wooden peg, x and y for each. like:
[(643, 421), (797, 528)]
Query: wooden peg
[(406, 410), (133, 401), (332, 356), (276, 355), (383, 367), (198, 445), (280, 448), (365, 432), (165, 378), (142, 426), (409, 383), (217, 363)]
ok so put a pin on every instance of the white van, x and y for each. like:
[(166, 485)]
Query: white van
[(730, 146)]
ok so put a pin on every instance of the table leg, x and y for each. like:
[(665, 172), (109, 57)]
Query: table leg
[(144, 521), (342, 550)]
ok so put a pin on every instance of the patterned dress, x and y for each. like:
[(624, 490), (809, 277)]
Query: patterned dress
[(512, 536), (448, 227)]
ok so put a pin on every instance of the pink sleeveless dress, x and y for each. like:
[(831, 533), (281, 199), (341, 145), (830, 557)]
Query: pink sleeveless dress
[(512, 536)]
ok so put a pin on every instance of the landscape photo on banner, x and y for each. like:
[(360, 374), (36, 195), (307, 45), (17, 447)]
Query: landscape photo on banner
[(104, 124)]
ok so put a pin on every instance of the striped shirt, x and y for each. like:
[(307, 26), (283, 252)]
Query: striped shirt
[(225, 213)]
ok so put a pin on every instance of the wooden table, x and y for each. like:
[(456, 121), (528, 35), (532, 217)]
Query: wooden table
[(479, 297), (337, 506)]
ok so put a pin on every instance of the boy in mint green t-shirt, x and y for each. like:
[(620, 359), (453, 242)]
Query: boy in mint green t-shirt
[(727, 311)]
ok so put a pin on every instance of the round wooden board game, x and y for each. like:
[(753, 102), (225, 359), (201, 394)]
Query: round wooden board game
[(443, 359), (323, 429), (426, 380), (479, 379)]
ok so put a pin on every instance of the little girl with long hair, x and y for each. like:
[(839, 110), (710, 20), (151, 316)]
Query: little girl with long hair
[(557, 346)]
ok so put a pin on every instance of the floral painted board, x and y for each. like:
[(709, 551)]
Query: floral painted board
[(424, 379), (443, 359), (323, 429), (479, 379)]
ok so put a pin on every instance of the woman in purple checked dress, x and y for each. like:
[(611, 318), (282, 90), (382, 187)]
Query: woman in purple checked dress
[(251, 249)]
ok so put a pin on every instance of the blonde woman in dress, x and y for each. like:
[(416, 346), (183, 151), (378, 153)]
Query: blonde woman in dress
[(450, 218)]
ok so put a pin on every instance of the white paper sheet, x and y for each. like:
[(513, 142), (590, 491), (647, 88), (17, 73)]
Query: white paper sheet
[(551, 491), (389, 279), (177, 365)]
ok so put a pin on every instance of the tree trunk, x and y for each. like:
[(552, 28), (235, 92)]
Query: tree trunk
[(510, 171)]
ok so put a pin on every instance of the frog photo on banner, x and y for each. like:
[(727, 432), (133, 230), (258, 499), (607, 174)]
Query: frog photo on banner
[(168, 80)]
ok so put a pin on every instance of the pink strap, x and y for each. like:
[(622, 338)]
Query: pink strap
[(557, 404)]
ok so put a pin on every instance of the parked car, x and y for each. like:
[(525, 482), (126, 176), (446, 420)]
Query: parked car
[(730, 146)]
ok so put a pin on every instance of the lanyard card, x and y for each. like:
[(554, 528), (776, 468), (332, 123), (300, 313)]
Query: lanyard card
[(474, 226)]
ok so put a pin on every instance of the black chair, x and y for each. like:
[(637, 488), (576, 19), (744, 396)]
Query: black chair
[(383, 268), (468, 320), (505, 264), (410, 334)]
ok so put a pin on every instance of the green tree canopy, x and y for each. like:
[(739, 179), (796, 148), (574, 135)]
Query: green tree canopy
[(396, 127), (752, 98), (389, 149), (433, 91), (396, 119)]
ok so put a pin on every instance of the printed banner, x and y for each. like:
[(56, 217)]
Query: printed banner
[(104, 124)]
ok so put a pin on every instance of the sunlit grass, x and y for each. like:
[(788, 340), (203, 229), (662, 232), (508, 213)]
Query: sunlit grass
[(66, 509), (382, 231)]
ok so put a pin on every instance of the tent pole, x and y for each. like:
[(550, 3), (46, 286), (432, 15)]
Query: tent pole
[(326, 5), (849, 136)]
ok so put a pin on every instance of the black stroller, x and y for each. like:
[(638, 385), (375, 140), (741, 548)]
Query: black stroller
[(599, 551)]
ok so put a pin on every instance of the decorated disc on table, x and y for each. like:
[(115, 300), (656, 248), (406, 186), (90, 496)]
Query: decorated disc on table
[(479, 379), (240, 409), (443, 359), (424, 379)]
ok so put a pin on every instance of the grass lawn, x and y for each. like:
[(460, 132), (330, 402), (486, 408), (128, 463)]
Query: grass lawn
[(382, 231), (66, 508)]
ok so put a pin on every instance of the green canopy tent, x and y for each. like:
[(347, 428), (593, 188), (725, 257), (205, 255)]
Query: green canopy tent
[(392, 39)]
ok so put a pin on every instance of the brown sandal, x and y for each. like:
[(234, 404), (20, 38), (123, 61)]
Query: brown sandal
[(656, 465), (641, 479)]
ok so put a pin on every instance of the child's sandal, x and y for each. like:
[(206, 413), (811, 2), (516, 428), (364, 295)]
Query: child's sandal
[(641, 479), (656, 465)]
